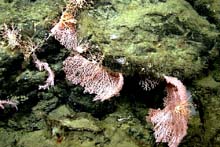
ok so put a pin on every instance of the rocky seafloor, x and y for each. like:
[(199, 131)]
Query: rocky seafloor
[(143, 40)]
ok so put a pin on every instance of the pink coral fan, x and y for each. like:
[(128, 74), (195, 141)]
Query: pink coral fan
[(94, 78), (170, 123)]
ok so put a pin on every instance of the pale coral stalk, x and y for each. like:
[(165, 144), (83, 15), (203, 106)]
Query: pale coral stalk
[(44, 66), (7, 102)]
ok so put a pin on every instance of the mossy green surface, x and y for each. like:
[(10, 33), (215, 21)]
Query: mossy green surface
[(39, 12), (120, 129), (164, 38), (206, 92), (208, 8)]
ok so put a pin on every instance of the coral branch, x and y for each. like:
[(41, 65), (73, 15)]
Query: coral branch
[(5, 102), (94, 79), (12, 36), (44, 66)]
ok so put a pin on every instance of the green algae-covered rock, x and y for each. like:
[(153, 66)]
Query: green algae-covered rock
[(136, 36), (206, 96), (208, 8), (38, 13), (31, 19), (61, 117), (80, 124), (20, 78), (80, 101), (209, 110), (124, 124), (160, 38), (81, 129), (10, 65)]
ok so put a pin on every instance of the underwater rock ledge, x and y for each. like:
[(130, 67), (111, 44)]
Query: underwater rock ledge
[(168, 37)]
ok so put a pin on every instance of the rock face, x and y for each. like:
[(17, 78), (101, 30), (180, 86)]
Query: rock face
[(208, 8), (138, 38), (143, 36), (206, 93)]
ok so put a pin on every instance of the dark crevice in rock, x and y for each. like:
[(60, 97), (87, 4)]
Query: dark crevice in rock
[(206, 8)]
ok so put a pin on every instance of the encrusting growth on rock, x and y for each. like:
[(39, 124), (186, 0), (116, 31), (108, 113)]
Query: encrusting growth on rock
[(78, 3)]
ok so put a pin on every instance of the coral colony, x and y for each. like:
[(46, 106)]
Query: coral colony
[(12, 36), (28, 48), (94, 78), (169, 124)]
